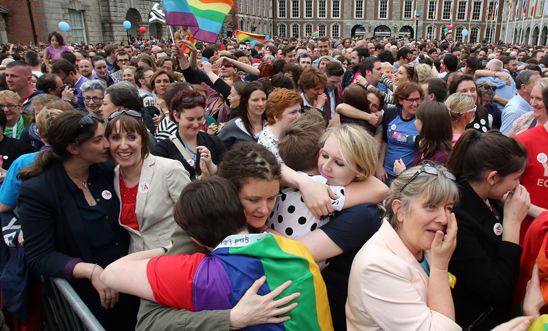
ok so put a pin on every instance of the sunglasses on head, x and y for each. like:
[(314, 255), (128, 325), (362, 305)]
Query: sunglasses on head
[(429, 170), (129, 112), (88, 120)]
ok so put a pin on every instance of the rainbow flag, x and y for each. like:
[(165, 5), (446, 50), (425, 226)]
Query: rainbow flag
[(315, 33), (219, 280), (242, 36), (204, 18)]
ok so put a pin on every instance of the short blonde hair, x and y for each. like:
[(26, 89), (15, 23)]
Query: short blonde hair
[(11, 96), (358, 148), (458, 104), (542, 83), (424, 72), (44, 120)]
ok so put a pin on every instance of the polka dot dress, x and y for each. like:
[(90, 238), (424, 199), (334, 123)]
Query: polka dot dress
[(292, 219)]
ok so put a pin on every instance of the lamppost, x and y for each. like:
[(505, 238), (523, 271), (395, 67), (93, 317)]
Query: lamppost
[(416, 25)]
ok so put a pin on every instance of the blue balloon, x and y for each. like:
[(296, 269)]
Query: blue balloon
[(126, 25), (464, 32), (253, 42), (63, 26)]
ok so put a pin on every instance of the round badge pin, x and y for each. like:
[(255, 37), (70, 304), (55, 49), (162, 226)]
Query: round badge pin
[(497, 229), (393, 127), (542, 158), (106, 195)]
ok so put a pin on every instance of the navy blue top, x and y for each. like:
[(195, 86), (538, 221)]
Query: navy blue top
[(350, 229)]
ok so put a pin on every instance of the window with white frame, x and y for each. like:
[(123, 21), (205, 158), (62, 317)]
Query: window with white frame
[(336, 9), (322, 8), (321, 30), (241, 6), (474, 33), (446, 12), (307, 29), (247, 6), (461, 10), (431, 32), (476, 10), (282, 30), (335, 31), (294, 8), (491, 11), (488, 34), (78, 26), (308, 9), (358, 8), (458, 33), (281, 8), (295, 29), (383, 9), (432, 9), (407, 9)]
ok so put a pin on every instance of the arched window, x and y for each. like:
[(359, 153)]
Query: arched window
[(307, 29), (335, 31), (431, 32), (321, 28), (282, 32), (295, 30), (474, 33)]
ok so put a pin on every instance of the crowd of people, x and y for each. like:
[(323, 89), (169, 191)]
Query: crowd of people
[(297, 184)]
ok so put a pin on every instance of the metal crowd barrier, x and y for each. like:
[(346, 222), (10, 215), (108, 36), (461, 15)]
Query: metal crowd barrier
[(64, 310)]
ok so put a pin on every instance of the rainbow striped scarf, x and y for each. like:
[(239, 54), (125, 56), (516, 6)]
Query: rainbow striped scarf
[(224, 276), (204, 18)]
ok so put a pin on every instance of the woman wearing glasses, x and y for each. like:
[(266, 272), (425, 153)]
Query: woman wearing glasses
[(10, 104), (148, 186), (399, 279), (486, 261), (197, 151), (399, 133), (94, 92), (68, 211)]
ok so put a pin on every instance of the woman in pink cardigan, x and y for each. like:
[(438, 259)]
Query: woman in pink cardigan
[(399, 279)]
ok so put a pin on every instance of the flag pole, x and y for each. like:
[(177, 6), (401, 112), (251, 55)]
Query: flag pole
[(530, 37), (541, 22), (507, 10), (496, 17), (171, 34)]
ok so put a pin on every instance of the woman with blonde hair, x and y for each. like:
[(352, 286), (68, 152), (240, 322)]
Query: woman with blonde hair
[(424, 72), (283, 107), (462, 109), (10, 104)]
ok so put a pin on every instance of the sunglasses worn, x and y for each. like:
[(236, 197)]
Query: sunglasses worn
[(129, 112), (429, 170)]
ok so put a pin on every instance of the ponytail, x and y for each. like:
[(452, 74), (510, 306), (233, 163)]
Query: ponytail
[(44, 160), (475, 153)]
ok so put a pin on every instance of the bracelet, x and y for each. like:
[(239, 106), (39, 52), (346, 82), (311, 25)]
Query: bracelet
[(92, 270)]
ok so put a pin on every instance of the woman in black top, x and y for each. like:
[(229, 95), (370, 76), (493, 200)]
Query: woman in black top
[(69, 216), (198, 151), (486, 261)]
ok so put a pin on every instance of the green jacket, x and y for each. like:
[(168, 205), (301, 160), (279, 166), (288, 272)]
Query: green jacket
[(153, 317)]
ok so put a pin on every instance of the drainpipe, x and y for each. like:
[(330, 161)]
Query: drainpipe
[(34, 36)]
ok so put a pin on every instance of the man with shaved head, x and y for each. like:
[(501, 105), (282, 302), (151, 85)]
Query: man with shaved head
[(19, 80)]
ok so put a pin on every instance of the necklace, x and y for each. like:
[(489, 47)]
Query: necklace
[(81, 183)]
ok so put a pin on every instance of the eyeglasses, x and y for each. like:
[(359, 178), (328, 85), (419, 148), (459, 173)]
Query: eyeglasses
[(89, 120), (227, 65), (9, 106), (416, 100), (429, 170), (94, 99), (129, 112)]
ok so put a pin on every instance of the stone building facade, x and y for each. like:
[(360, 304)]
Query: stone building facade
[(482, 19), (101, 20), (90, 20)]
